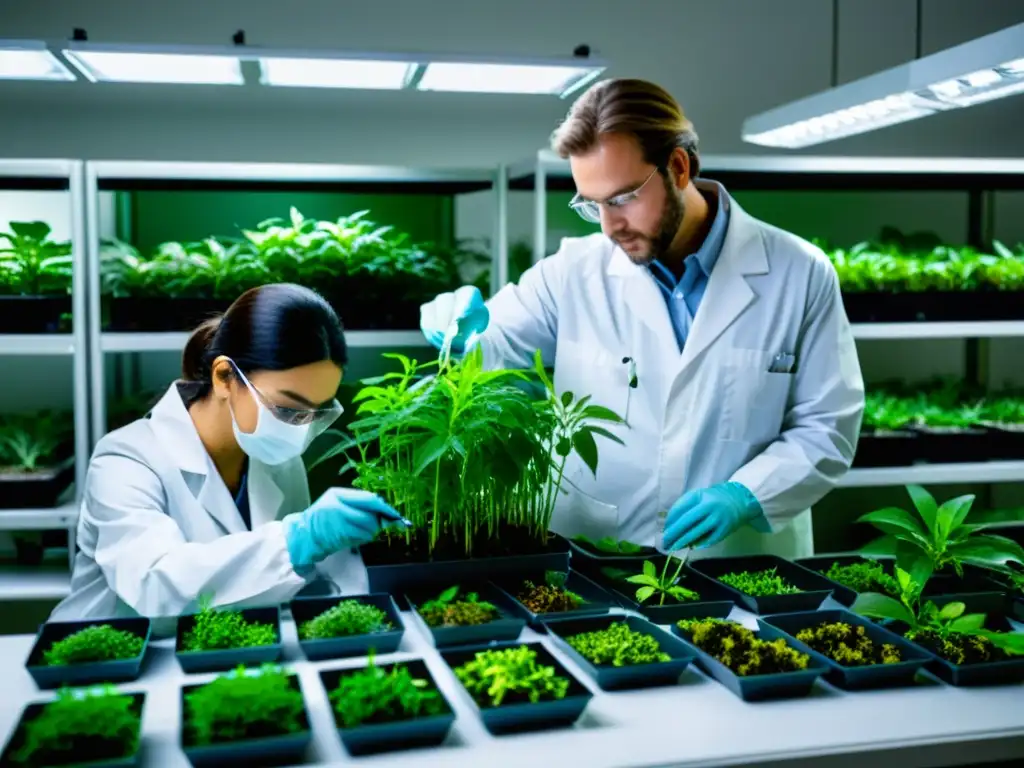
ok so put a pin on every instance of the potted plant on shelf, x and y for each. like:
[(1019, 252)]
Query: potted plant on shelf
[(463, 617), (35, 280), (86, 652), (99, 726), (766, 583), (886, 439), (475, 461), (387, 706), (333, 627), (245, 716), (36, 461), (217, 639), (665, 592)]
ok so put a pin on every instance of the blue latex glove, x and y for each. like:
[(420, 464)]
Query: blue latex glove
[(466, 307), (706, 516), (342, 518)]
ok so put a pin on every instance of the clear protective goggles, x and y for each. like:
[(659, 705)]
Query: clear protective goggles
[(319, 418), (590, 210)]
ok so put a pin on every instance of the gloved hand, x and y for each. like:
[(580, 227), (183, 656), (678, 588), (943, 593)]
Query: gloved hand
[(466, 307), (342, 518), (706, 516)]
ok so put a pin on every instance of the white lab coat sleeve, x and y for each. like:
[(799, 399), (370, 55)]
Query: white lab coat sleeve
[(148, 563), (824, 411)]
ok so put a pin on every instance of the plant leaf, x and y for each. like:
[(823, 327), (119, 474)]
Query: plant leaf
[(952, 610), (883, 546), (644, 593), (968, 624), (988, 551), (601, 413), (896, 522), (1011, 642), (958, 511), (649, 569), (925, 504), (585, 446), (877, 606), (642, 578)]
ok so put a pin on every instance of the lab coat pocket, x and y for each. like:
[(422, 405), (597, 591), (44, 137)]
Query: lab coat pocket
[(755, 397), (577, 513)]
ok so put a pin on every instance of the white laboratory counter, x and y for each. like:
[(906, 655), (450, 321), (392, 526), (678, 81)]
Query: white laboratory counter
[(695, 723)]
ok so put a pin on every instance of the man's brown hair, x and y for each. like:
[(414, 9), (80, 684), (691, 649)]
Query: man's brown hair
[(633, 107)]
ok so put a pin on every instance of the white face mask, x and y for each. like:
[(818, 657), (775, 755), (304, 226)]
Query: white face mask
[(273, 442)]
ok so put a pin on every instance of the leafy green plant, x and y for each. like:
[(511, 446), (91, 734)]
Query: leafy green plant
[(869, 576), (33, 442), (244, 704), (651, 583), (848, 644), (447, 611), (215, 630), (609, 546), (100, 642), (31, 263), (347, 618), (80, 725), (759, 583), (510, 676), (618, 646), (383, 695), (741, 650), (549, 597)]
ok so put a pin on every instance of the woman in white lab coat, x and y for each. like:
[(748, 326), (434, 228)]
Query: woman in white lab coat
[(207, 495)]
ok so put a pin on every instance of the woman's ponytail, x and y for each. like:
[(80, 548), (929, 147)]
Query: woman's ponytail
[(194, 363)]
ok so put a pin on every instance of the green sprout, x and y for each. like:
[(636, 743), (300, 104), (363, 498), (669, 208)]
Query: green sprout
[(447, 611), (383, 695), (664, 585)]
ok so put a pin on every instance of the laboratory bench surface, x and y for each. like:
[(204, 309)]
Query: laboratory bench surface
[(697, 722)]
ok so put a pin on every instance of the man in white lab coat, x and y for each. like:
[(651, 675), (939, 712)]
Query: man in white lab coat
[(720, 338)]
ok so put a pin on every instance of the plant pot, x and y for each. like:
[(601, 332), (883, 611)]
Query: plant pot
[(840, 592), (87, 753), (815, 587), (194, 662), (158, 314), (949, 445), (120, 671), (851, 677), (597, 601), (516, 717), (412, 733), (507, 627), (1006, 441), (36, 490), (779, 685), (611, 678), (305, 608), (887, 448), (35, 314), (289, 748)]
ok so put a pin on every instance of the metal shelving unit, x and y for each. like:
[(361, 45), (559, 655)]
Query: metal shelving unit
[(131, 175), (67, 176)]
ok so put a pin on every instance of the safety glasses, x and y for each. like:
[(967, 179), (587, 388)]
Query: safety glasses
[(320, 418), (590, 210)]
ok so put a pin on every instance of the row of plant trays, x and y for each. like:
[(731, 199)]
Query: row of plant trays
[(939, 445), (933, 306)]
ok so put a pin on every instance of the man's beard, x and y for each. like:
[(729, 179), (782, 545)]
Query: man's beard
[(668, 226)]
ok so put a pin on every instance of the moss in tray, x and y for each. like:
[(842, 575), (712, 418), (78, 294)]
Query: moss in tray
[(346, 619), (618, 646), (957, 648), (81, 726), (550, 597), (739, 648), (510, 676), (244, 704), (375, 695), (759, 583), (447, 611), (220, 630), (868, 576), (97, 643), (848, 644)]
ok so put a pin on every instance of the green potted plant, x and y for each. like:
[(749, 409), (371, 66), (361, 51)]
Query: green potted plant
[(35, 280), (37, 464), (216, 639), (383, 707), (86, 652), (99, 726), (245, 716), (455, 616), (665, 591), (335, 627), (765, 583)]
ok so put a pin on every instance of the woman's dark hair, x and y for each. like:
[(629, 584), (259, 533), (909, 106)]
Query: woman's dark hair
[(270, 328)]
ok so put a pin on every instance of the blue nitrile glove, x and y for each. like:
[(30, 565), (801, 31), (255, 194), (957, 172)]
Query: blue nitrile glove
[(342, 518), (706, 516), (464, 306)]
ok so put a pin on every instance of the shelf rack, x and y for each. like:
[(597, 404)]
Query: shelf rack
[(67, 176)]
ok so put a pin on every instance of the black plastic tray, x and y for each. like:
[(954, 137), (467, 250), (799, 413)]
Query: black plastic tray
[(781, 685), (598, 601), (305, 608), (507, 627), (268, 750), (590, 564), (122, 670), (32, 710), (840, 592), (516, 718), (816, 587), (611, 678), (887, 448), (193, 662), (39, 490), (35, 314), (403, 734), (853, 678)]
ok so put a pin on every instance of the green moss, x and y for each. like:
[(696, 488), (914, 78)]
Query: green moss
[(848, 645), (509, 676), (92, 644), (759, 583), (958, 648), (618, 646), (544, 598), (868, 576), (219, 630), (741, 650), (376, 695), (346, 619), (446, 610)]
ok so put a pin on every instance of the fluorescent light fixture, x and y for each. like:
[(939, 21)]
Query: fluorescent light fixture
[(984, 69), (149, 64), (559, 78), (30, 60), (326, 72)]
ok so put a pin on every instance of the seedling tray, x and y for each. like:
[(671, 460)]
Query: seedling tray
[(193, 662), (508, 626), (948, 445), (305, 608), (122, 670), (34, 314), (289, 748), (1007, 441), (847, 677), (611, 678), (887, 448), (400, 734), (36, 490), (840, 592), (597, 600), (815, 587), (518, 717), (161, 313), (779, 685), (33, 710)]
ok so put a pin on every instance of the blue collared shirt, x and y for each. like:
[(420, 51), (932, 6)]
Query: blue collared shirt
[(684, 296)]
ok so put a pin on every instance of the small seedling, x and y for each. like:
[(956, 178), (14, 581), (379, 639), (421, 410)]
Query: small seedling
[(663, 585), (759, 583), (244, 704), (510, 675), (216, 630), (81, 726), (551, 597), (376, 695), (446, 611), (618, 646), (741, 650), (848, 644), (868, 576), (347, 618), (100, 642)]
